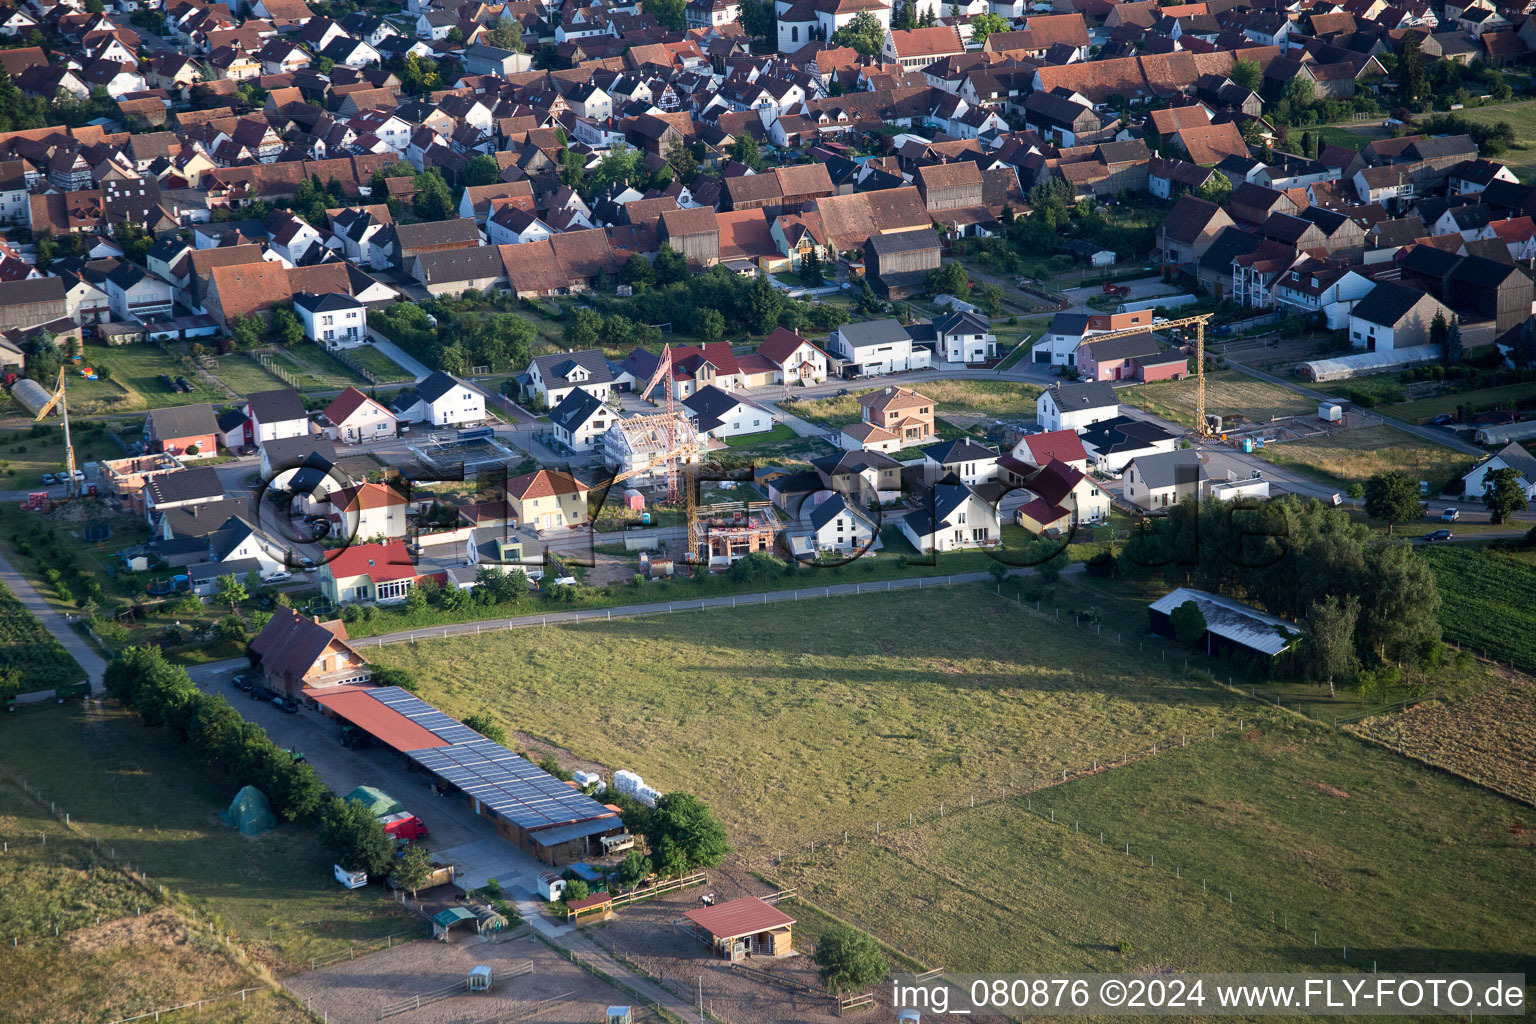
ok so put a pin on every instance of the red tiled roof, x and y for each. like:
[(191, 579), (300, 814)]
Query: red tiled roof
[(346, 403), (544, 483), (379, 562), (358, 706), (738, 918), (1055, 444)]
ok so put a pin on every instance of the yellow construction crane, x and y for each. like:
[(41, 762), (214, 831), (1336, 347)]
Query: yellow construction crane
[(62, 402), (688, 454), (1198, 322)]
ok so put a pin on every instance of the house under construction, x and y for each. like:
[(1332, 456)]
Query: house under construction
[(638, 445), (736, 530)]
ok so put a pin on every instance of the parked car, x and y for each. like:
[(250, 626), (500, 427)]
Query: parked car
[(1450, 515), (243, 682), (279, 577), (185, 386), (166, 382), (260, 693), (841, 392), (1445, 419), (49, 479), (1438, 535), (284, 705)]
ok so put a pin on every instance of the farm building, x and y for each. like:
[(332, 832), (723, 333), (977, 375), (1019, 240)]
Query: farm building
[(548, 819), (1229, 625), (637, 443), (1363, 363), (743, 927)]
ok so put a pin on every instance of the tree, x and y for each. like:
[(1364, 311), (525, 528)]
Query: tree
[(245, 330), (1453, 351), (670, 265), (323, 65), (1410, 78), (287, 328), (745, 150), (1440, 331), (43, 359), (433, 199), (757, 18), (389, 675), (810, 268), (669, 14), (985, 24), (637, 271), (950, 279), (1188, 623), (1393, 498), (575, 889), (414, 869), (849, 959), (487, 727), (507, 35), (1246, 74), (232, 590), (709, 325), (1328, 643), (1504, 494), (1217, 190), (481, 170), (581, 329), (1399, 603), (682, 161), (633, 869), (354, 838), (864, 33), (683, 833)]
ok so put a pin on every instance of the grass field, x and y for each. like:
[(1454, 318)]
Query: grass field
[(26, 456), (1487, 601), (780, 432), (136, 368), (377, 363), (1490, 736), (876, 682), (1521, 158), (245, 375), (121, 949), (31, 650), (1425, 409), (140, 799), (996, 399), (1347, 456), (316, 369), (1226, 391), (1309, 830)]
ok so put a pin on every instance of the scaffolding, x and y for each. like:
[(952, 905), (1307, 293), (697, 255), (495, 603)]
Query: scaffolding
[(646, 446)]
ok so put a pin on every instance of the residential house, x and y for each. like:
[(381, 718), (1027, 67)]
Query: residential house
[(865, 477), (952, 517), (1061, 497), (547, 499), (580, 419), (186, 431), (875, 347), (835, 527), (275, 415), (368, 512), (368, 573), (965, 460), (1164, 479), (1512, 456), (1112, 444), (793, 357), (893, 418), (441, 400), (552, 378), (295, 653), (1076, 406), (335, 320), (352, 417), (720, 414), (965, 337), (1035, 451), (1394, 316)]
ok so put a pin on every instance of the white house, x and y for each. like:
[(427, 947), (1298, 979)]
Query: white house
[(134, 294), (580, 419), (367, 512), (720, 414), (552, 377), (837, 527), (1394, 316), (1511, 456), (1112, 444), (965, 338), (333, 319), (951, 517), (274, 415), (1076, 406), (797, 359), (441, 400), (352, 417), (1058, 345), (878, 346), (965, 460), (1163, 480)]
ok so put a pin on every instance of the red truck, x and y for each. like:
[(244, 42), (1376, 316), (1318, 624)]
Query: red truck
[(404, 825)]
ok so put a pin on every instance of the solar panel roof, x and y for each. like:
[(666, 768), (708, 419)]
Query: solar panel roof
[(511, 786)]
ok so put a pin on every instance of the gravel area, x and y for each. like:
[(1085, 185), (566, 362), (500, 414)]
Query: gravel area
[(356, 991)]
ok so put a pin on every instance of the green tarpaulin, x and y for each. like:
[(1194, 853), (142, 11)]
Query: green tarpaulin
[(250, 812), (376, 800)]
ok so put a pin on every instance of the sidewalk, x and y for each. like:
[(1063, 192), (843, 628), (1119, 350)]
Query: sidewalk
[(54, 623)]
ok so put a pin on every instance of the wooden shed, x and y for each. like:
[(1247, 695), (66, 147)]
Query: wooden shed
[(742, 928)]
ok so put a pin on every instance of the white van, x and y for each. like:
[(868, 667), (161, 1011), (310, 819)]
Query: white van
[(351, 879)]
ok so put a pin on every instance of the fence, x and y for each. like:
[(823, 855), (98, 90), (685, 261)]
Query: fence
[(198, 1007), (270, 365), (354, 364), (670, 885), (416, 1002), (358, 949)]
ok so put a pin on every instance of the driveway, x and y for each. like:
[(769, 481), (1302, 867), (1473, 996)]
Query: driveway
[(54, 623), (412, 365)]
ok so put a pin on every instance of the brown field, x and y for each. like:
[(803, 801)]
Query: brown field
[(1226, 391), (996, 399), (1490, 737), (1346, 456)]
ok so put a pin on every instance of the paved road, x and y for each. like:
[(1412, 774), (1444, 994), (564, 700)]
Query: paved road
[(54, 623), (408, 362)]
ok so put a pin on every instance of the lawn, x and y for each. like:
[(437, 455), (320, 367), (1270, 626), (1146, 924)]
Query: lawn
[(316, 369), (1487, 601), (1226, 391), (995, 399), (245, 375), (687, 703), (1347, 456), (145, 952), (1426, 409), (142, 801), (137, 367), (1521, 158), (780, 432), (1309, 830), (25, 455), (377, 363)]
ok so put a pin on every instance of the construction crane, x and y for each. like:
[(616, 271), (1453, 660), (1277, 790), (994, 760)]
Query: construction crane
[(1198, 322), (688, 453), (62, 402)]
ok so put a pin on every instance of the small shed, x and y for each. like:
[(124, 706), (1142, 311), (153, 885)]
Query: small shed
[(620, 1015), (1330, 412), (1229, 625), (551, 885), (443, 920), (598, 906), (479, 979), (742, 928), (634, 500)]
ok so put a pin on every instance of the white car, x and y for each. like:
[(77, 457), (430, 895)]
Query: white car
[(279, 577)]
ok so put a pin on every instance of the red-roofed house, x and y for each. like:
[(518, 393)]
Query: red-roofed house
[(796, 358), (295, 652), (367, 511), (1063, 498), (371, 572), (352, 417), (743, 927), (1037, 450), (547, 498)]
